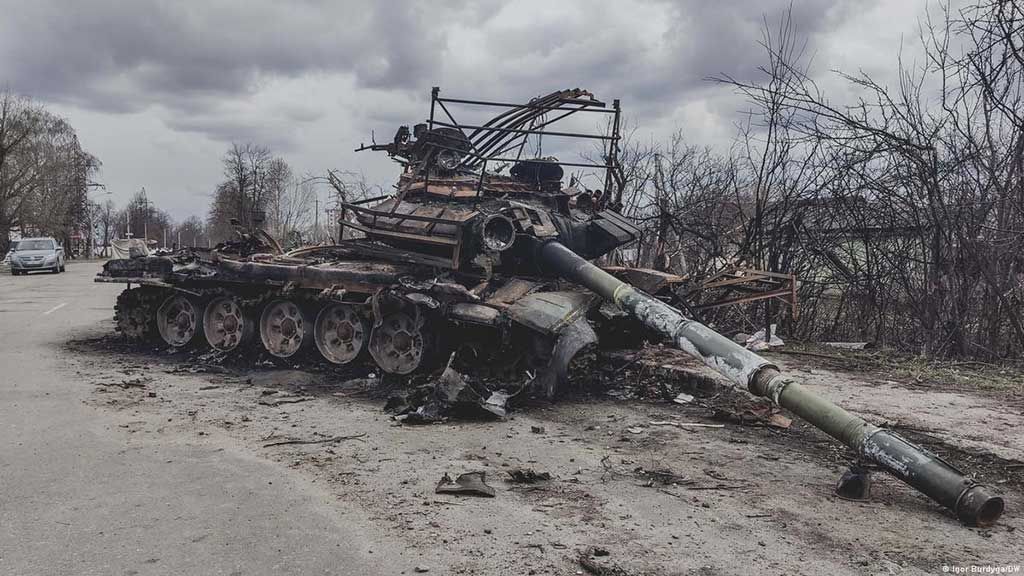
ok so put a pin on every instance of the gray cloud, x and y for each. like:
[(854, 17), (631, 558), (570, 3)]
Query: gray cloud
[(228, 129), (313, 78), (124, 55), (114, 55)]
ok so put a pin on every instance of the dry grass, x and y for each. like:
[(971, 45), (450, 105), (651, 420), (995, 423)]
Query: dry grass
[(967, 375)]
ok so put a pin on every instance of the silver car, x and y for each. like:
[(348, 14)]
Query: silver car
[(36, 254)]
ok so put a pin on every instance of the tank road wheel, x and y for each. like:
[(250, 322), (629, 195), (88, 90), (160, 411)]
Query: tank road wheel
[(283, 328), (399, 344), (340, 333), (225, 325), (177, 320)]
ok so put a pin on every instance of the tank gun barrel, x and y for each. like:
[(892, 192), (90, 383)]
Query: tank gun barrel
[(973, 503)]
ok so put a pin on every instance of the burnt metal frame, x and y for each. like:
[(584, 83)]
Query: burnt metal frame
[(579, 105), (756, 284), (568, 106), (455, 244), (344, 213)]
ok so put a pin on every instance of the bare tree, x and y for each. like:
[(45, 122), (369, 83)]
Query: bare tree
[(191, 232), (921, 214), (20, 120), (44, 172), (143, 219), (106, 218), (348, 186), (243, 195)]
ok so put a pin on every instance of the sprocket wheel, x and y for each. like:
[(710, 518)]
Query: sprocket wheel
[(135, 313)]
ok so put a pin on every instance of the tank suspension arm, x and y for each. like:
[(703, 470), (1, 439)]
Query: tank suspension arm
[(972, 503)]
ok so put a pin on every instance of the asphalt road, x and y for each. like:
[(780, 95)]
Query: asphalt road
[(80, 495), (177, 477)]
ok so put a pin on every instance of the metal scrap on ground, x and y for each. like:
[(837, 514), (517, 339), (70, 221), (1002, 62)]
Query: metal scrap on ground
[(468, 483)]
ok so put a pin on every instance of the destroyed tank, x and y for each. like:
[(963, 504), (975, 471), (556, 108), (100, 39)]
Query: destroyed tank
[(482, 250)]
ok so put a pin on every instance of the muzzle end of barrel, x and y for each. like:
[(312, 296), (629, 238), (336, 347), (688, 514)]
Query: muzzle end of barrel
[(977, 506)]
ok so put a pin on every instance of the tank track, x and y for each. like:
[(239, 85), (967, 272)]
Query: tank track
[(137, 309), (135, 313)]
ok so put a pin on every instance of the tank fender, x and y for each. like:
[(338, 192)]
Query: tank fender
[(572, 338), (562, 317)]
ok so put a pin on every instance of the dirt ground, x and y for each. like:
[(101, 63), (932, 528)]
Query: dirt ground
[(634, 497)]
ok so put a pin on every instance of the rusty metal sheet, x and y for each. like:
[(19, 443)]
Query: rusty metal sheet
[(573, 338), (513, 290), (646, 279), (550, 312), (448, 219), (464, 186), (475, 314), (355, 276)]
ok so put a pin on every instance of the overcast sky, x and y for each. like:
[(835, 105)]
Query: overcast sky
[(159, 89)]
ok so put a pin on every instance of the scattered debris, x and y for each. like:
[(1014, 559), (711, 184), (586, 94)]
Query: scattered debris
[(528, 476), (266, 400), (757, 341), (199, 369), (850, 345), (537, 429), (663, 476), (814, 354), (126, 384), (330, 440), (756, 412), (685, 424), (854, 484), (451, 394), (471, 483), (591, 566), (653, 372), (683, 398)]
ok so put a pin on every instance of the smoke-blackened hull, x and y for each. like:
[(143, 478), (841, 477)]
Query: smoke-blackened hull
[(359, 276)]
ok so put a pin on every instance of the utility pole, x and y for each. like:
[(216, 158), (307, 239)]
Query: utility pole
[(145, 217), (332, 215), (316, 218)]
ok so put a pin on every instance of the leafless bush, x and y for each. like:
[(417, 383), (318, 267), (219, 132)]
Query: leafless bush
[(44, 172), (903, 212)]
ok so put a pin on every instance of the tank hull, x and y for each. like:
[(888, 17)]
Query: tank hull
[(401, 315)]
